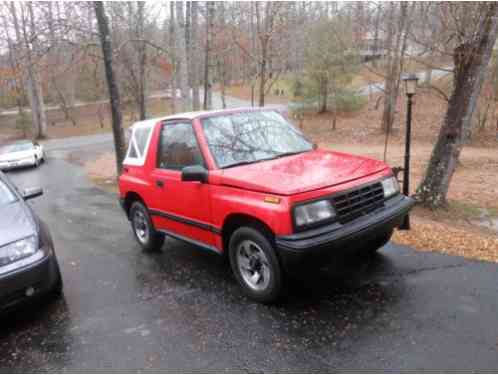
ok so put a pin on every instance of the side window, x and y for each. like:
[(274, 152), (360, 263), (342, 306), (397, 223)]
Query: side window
[(141, 137), (137, 148), (178, 147)]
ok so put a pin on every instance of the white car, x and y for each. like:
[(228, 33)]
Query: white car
[(21, 154)]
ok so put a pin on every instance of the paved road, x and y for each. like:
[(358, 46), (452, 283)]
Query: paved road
[(181, 310), (374, 88)]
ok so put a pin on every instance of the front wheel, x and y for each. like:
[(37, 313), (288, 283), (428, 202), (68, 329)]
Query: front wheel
[(379, 242), (255, 265), (143, 229)]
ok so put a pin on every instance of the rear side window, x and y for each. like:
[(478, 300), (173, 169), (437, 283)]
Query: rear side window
[(139, 142), (178, 147), (141, 137)]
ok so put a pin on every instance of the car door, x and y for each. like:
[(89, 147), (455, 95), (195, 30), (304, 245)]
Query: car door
[(181, 208)]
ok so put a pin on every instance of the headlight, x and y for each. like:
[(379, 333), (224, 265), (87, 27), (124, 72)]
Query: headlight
[(390, 186), (18, 250), (311, 213)]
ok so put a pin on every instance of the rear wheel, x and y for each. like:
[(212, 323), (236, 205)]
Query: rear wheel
[(255, 265), (143, 229)]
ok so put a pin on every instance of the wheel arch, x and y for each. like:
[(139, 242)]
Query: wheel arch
[(236, 220), (131, 197)]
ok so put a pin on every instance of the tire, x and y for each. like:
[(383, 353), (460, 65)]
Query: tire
[(37, 162), (255, 265), (143, 229), (379, 242), (57, 289)]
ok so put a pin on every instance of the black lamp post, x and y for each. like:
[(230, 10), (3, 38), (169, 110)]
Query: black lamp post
[(410, 89)]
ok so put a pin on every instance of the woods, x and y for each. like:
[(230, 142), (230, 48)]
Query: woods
[(63, 55)]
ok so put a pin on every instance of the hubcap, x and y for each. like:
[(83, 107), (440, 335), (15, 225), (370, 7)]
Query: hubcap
[(253, 265), (140, 226)]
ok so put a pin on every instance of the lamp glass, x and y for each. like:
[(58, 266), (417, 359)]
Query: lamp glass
[(411, 84)]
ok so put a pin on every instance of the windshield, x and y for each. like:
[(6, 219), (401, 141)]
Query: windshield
[(249, 137), (16, 147), (6, 195)]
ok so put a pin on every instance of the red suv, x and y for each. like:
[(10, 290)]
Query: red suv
[(248, 184)]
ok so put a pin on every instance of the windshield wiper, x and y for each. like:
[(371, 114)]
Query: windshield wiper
[(290, 153), (242, 162)]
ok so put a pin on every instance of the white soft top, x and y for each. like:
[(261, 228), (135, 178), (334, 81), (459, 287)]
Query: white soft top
[(196, 114)]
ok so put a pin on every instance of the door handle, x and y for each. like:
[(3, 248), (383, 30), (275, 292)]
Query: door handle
[(160, 183)]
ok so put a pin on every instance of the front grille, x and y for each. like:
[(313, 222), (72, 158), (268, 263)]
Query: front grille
[(358, 202)]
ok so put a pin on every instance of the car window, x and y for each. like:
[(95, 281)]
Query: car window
[(16, 147), (178, 147), (138, 143), (251, 137), (141, 137), (6, 195)]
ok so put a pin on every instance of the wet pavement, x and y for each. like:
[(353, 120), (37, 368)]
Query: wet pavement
[(180, 309)]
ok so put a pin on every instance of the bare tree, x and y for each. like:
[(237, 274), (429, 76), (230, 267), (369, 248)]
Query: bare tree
[(194, 57), (181, 52), (142, 59), (471, 58), (172, 48), (26, 39), (117, 120), (397, 31), (210, 7)]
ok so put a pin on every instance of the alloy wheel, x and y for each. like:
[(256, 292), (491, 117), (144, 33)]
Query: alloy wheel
[(253, 265)]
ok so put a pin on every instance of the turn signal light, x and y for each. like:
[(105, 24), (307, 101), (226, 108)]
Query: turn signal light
[(274, 200)]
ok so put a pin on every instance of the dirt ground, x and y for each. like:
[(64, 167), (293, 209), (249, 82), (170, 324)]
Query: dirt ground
[(461, 228)]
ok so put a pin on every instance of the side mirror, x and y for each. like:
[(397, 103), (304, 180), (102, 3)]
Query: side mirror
[(195, 173), (31, 193)]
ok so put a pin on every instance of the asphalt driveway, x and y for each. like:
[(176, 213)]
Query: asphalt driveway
[(181, 310)]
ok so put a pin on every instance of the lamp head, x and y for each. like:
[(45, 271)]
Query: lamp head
[(410, 84)]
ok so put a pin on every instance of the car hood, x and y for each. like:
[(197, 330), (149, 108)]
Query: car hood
[(17, 222), (300, 173), (16, 155)]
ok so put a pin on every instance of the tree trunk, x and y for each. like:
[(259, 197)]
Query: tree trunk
[(194, 71), (262, 76), (142, 61), (334, 105), (471, 60), (172, 48), (323, 95), (181, 51), (207, 53), (117, 128), (396, 54), (262, 30)]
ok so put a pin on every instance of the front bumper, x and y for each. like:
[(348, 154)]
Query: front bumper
[(28, 162), (33, 279), (321, 245)]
